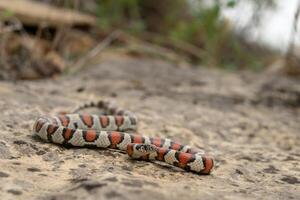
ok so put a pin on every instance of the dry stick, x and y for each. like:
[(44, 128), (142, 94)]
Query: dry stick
[(96, 50), (3, 54), (110, 38), (291, 46), (182, 46), (58, 37), (152, 48), (290, 54), (3, 39)]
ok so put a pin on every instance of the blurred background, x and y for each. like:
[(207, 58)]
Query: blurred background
[(43, 38)]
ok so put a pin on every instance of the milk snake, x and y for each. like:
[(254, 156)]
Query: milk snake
[(113, 130)]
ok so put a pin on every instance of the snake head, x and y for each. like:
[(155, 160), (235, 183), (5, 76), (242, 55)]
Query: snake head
[(146, 148), (141, 151)]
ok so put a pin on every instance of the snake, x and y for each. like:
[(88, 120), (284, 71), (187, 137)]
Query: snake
[(116, 128)]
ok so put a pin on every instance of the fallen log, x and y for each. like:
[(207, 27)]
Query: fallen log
[(35, 13)]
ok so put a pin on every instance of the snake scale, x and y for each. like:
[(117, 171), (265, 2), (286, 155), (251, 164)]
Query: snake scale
[(114, 130)]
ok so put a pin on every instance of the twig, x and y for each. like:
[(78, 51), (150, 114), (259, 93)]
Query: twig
[(3, 54), (291, 46), (292, 66), (178, 45), (96, 50), (145, 47), (59, 35)]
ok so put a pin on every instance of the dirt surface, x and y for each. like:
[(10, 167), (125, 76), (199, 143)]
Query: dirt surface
[(249, 122)]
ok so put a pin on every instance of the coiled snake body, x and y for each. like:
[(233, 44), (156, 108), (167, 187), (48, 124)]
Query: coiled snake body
[(111, 130)]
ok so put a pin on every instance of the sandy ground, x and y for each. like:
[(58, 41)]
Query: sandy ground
[(249, 122)]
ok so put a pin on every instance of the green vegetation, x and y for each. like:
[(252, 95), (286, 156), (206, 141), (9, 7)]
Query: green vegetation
[(6, 14), (198, 26)]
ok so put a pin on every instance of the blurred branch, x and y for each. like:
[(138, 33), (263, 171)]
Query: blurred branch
[(179, 45), (3, 55), (132, 45), (139, 46), (291, 47), (34, 13), (259, 8), (96, 50), (292, 61)]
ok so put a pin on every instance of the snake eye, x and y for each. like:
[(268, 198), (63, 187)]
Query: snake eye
[(142, 149), (151, 148)]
